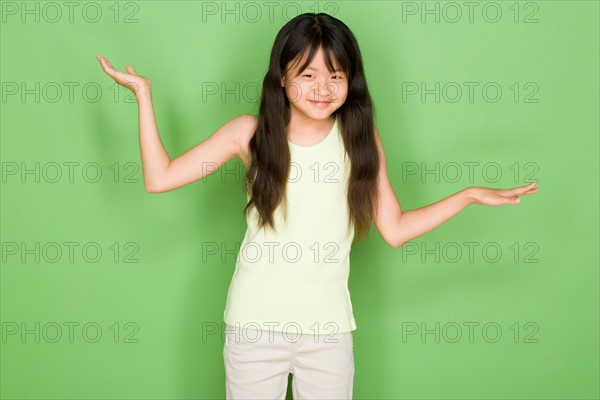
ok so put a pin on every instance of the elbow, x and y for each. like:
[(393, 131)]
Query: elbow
[(152, 189), (394, 243), (397, 242), (392, 238), (155, 184)]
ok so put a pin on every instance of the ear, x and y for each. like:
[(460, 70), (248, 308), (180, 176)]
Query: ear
[(283, 81)]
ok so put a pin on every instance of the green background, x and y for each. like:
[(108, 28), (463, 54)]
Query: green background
[(156, 314)]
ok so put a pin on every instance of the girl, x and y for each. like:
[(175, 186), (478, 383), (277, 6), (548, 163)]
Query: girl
[(316, 173)]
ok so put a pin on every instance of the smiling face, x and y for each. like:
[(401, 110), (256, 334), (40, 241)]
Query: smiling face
[(315, 92)]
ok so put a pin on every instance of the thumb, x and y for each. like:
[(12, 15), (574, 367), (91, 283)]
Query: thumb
[(516, 200), (131, 70)]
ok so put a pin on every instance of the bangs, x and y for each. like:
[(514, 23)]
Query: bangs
[(335, 57)]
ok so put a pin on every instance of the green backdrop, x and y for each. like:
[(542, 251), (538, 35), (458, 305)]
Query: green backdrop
[(111, 292)]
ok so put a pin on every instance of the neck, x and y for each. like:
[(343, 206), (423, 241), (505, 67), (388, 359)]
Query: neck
[(302, 123)]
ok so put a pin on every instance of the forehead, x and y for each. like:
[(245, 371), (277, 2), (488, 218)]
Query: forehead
[(319, 61)]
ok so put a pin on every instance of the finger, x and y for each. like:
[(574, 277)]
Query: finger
[(516, 199), (114, 73), (131, 70), (509, 200), (105, 64), (100, 59), (108, 63), (101, 63), (521, 189), (105, 61), (119, 76), (109, 69), (530, 191), (105, 67)]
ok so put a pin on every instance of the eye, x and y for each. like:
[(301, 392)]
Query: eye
[(307, 75)]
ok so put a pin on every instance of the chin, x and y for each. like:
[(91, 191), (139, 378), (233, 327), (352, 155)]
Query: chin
[(323, 115)]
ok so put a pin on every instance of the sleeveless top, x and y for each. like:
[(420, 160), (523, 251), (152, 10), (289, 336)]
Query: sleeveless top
[(295, 279)]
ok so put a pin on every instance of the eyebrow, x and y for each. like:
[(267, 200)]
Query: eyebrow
[(314, 69)]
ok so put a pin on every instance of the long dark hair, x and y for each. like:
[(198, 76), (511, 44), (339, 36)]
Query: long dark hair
[(268, 171)]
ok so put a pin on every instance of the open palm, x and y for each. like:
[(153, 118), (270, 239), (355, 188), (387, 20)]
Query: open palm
[(130, 79), (498, 197)]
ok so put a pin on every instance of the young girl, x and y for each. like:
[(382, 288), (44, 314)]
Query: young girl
[(316, 172)]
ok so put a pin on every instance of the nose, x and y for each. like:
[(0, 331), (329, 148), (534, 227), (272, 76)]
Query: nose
[(324, 89)]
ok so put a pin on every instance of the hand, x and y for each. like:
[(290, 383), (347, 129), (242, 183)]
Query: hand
[(498, 197), (136, 83)]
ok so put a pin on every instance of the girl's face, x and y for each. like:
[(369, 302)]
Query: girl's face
[(315, 92)]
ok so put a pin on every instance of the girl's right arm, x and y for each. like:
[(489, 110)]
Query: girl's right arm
[(162, 174)]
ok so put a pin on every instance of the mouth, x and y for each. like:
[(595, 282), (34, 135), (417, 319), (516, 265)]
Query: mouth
[(320, 103)]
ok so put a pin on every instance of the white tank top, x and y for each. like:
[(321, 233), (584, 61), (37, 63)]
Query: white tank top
[(295, 279)]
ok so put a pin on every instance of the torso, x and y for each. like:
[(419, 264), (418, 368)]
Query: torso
[(269, 288)]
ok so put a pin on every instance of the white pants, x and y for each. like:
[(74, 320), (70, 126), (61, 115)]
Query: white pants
[(257, 364)]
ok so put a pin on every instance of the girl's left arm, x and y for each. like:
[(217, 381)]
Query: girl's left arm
[(398, 227)]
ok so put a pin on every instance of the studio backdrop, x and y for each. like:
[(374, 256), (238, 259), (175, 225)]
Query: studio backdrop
[(111, 292)]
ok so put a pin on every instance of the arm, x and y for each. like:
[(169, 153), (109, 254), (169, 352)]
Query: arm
[(155, 159), (416, 222), (162, 174), (398, 227)]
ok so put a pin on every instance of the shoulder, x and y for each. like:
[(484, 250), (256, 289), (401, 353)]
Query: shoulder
[(248, 123), (251, 120), (244, 123)]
